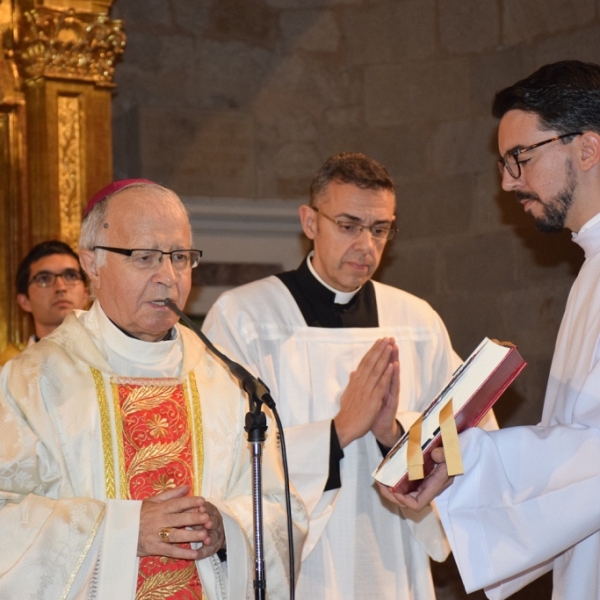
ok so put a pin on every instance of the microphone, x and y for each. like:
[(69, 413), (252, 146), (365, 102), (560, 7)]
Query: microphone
[(258, 393), (252, 385)]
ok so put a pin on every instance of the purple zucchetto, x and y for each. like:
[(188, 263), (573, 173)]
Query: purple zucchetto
[(110, 189)]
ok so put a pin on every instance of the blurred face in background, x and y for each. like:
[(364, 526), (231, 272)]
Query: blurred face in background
[(50, 304)]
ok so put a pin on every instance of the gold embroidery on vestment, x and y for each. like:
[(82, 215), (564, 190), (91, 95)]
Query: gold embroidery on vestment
[(166, 584), (84, 553), (146, 397), (106, 429), (195, 413), (155, 456), (120, 448)]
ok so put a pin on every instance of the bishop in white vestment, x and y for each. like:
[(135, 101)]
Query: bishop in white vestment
[(124, 469)]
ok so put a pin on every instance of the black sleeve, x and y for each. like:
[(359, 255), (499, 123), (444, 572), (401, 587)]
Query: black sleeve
[(222, 554), (334, 481), (384, 449)]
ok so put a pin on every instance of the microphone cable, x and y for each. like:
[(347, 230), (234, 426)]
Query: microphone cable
[(253, 386)]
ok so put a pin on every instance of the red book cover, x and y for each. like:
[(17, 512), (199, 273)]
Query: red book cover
[(481, 381)]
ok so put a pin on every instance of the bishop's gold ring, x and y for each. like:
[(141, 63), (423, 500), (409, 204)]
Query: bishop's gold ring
[(163, 534)]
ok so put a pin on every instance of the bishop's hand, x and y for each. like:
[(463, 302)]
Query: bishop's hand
[(213, 530), (172, 518)]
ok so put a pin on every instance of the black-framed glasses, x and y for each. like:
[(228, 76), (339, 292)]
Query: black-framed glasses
[(150, 259), (45, 279), (351, 229), (510, 161)]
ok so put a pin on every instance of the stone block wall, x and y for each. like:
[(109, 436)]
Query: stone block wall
[(246, 98)]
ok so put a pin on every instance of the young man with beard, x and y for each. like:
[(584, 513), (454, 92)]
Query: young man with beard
[(528, 501), (348, 360)]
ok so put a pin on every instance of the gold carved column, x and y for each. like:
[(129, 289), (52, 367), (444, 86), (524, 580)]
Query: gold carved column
[(56, 77)]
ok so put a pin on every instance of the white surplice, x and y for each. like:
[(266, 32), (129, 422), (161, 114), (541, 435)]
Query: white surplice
[(69, 533), (359, 546), (529, 499)]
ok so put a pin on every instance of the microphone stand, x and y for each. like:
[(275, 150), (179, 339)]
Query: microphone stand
[(256, 426)]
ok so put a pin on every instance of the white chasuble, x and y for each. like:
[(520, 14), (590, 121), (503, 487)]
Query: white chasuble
[(65, 472), (359, 545)]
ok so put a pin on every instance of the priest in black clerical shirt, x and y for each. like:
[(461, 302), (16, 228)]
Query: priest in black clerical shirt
[(350, 362), (323, 306)]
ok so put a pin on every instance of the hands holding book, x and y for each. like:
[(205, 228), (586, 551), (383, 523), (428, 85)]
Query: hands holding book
[(370, 400), (416, 469), (431, 487)]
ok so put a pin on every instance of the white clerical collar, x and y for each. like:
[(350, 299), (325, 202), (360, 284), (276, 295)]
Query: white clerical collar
[(133, 357), (340, 297), (587, 225)]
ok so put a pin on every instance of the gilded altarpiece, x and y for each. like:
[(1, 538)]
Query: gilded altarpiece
[(56, 78)]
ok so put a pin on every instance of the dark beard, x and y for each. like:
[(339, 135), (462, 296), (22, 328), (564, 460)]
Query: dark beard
[(555, 212), (554, 218)]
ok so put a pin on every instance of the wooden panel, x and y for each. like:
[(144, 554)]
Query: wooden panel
[(13, 222), (70, 153)]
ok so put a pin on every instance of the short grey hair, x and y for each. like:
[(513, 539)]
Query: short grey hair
[(93, 232)]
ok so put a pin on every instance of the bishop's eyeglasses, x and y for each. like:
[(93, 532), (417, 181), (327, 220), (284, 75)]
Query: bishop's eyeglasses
[(149, 259)]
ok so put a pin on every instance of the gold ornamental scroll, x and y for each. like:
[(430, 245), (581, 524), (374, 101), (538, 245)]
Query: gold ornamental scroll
[(66, 57), (70, 166)]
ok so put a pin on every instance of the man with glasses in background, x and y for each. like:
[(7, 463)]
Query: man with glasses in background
[(50, 284), (124, 469), (528, 501), (351, 363)]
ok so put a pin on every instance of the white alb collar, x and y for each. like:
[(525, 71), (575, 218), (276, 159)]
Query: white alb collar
[(595, 219), (136, 358)]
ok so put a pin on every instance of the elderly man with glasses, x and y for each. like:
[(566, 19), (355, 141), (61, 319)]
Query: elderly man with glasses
[(124, 472), (528, 501), (351, 363)]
